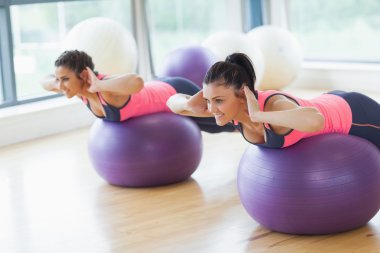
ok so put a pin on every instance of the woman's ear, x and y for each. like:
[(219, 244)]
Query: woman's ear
[(84, 75), (241, 92)]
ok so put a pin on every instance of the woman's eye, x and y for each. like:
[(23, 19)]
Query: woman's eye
[(218, 101)]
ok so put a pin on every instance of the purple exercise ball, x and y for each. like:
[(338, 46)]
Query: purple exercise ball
[(321, 185), (190, 62), (151, 150)]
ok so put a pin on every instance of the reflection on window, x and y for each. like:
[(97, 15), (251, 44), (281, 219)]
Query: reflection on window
[(337, 30), (175, 23), (38, 29)]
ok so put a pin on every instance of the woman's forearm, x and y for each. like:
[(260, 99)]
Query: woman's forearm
[(305, 119), (49, 83), (178, 104)]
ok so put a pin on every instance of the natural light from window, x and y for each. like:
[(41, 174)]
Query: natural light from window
[(38, 30), (337, 30)]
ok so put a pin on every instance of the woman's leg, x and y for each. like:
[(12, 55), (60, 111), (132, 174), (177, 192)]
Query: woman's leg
[(365, 117), (181, 85)]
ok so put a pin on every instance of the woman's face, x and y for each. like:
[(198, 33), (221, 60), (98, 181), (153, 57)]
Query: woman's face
[(223, 102), (68, 81)]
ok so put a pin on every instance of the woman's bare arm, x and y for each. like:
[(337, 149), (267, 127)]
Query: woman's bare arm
[(188, 105), (120, 85), (285, 113), (50, 83)]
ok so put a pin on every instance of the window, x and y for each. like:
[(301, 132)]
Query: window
[(337, 30), (35, 28), (175, 23), (38, 29)]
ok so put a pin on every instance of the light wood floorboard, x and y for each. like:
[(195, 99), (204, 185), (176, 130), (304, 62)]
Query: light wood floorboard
[(53, 201)]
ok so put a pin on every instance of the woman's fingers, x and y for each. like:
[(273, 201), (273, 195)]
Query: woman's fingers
[(91, 80), (197, 104), (249, 94), (252, 103)]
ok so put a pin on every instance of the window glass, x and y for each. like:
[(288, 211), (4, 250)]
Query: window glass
[(175, 23), (1, 86), (38, 29), (337, 30)]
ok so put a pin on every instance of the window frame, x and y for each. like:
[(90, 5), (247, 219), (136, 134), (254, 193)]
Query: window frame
[(6, 58), (253, 11)]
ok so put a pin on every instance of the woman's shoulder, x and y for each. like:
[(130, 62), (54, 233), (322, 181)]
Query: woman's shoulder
[(277, 100), (102, 76), (268, 97), (274, 93)]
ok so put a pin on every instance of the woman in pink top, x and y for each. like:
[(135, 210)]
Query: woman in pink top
[(118, 98), (272, 118)]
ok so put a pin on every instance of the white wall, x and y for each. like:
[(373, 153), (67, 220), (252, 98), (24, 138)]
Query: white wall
[(31, 121)]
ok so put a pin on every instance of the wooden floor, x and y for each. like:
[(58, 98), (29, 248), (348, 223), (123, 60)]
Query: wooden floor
[(52, 201)]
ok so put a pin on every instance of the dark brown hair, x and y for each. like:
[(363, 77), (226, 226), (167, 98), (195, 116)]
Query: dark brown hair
[(75, 60), (237, 70)]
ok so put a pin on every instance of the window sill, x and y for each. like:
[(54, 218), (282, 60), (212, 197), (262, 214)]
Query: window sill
[(333, 66), (358, 77)]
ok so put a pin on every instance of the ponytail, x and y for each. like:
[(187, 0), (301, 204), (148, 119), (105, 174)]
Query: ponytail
[(235, 71)]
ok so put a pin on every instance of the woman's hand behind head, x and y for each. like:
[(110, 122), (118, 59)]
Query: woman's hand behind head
[(92, 80)]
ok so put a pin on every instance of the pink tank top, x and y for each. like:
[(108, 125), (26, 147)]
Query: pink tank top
[(336, 111), (152, 98)]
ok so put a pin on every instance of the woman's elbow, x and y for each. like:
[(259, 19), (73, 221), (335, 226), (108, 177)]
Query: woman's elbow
[(48, 82), (318, 123), (139, 84), (172, 104), (176, 103)]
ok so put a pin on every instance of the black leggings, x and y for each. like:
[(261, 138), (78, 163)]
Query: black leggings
[(365, 115), (185, 86)]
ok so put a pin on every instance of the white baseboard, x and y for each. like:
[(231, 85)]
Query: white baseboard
[(35, 120)]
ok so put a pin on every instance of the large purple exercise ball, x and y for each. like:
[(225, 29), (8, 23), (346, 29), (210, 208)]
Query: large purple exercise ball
[(190, 62), (151, 150), (323, 184)]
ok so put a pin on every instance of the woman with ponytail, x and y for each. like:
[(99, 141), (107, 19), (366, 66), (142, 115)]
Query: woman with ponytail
[(273, 118)]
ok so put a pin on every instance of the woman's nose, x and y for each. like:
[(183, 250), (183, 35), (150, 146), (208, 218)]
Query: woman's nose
[(61, 86), (211, 107)]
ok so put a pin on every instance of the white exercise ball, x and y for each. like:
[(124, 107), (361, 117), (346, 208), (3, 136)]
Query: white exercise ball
[(225, 43), (112, 47), (282, 53)]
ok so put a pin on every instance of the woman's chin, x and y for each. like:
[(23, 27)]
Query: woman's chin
[(221, 122)]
